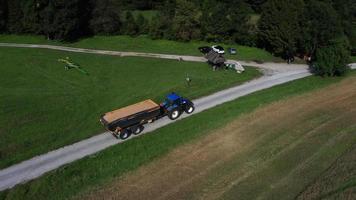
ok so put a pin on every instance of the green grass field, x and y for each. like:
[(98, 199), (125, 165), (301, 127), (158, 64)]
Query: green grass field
[(99, 169), (44, 107), (144, 44)]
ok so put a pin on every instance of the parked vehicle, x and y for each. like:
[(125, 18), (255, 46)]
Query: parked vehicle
[(215, 59), (130, 120), (205, 49), (218, 49), (234, 65), (353, 52), (232, 51)]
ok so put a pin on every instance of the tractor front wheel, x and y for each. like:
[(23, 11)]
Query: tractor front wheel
[(189, 109)]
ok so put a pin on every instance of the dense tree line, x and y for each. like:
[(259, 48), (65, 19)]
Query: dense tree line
[(217, 20), (324, 30), (285, 27), (3, 15)]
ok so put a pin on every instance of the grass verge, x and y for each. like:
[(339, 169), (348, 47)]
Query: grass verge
[(42, 103), (144, 44), (101, 168)]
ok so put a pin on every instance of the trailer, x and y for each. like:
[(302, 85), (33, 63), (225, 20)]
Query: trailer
[(130, 120)]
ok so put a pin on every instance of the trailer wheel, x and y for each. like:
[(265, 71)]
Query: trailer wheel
[(189, 109), (124, 134), (174, 114), (137, 130)]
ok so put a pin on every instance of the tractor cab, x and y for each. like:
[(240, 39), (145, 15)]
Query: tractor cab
[(172, 101)]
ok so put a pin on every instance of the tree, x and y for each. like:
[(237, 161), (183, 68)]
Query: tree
[(215, 25), (161, 24), (346, 10), (32, 15), (279, 26), (47, 21), (143, 24), (157, 27), (256, 4), (186, 24), (130, 26), (14, 16), (320, 25), (66, 19), (3, 15), (105, 17), (240, 31), (332, 60)]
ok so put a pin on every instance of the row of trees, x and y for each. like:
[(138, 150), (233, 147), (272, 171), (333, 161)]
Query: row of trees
[(209, 20), (285, 27), (219, 20)]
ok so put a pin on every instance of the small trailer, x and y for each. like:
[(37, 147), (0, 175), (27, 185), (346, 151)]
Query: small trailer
[(130, 120)]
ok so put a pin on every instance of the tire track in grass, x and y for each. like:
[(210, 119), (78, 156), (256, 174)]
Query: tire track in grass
[(259, 142), (257, 181), (336, 182), (274, 139), (234, 178), (317, 157)]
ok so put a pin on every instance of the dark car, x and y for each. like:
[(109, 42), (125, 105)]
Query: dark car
[(205, 49), (353, 52)]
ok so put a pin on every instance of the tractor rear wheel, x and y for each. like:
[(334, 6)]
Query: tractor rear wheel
[(174, 114), (124, 134)]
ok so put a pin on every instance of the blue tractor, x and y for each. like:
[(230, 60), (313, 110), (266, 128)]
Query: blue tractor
[(175, 105)]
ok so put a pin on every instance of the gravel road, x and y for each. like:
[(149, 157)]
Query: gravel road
[(268, 68), (37, 166)]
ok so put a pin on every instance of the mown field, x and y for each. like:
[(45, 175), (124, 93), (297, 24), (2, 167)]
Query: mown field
[(97, 171), (144, 44), (44, 107), (274, 152), (337, 182)]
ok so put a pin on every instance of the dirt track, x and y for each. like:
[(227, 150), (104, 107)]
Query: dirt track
[(242, 160)]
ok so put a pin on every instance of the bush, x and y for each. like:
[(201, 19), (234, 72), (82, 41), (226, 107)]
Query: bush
[(332, 60)]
